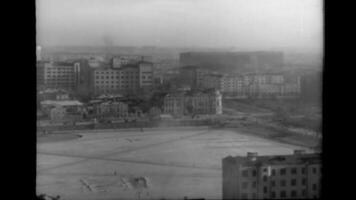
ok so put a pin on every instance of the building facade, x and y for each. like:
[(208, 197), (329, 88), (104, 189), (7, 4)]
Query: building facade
[(63, 75), (127, 79), (208, 102), (295, 176), (114, 109)]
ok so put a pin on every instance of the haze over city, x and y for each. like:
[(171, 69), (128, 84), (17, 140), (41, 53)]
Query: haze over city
[(179, 99), (246, 24)]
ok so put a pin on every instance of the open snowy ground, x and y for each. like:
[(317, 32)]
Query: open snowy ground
[(157, 163)]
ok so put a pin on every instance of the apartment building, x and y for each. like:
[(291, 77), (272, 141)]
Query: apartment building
[(295, 176), (126, 79), (61, 75), (191, 102)]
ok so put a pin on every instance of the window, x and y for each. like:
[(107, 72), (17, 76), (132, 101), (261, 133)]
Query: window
[(314, 187), (244, 196), (294, 170), (273, 183), (314, 170), (254, 173), (282, 171), (273, 172), (273, 194), (283, 183), (304, 192), (293, 182), (245, 173), (303, 170), (283, 194), (265, 178), (304, 181), (293, 193), (244, 185), (265, 190)]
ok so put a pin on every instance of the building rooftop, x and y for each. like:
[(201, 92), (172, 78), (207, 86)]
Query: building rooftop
[(297, 158), (62, 102)]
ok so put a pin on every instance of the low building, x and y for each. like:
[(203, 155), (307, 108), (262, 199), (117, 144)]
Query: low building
[(295, 176), (62, 109), (113, 109), (193, 102)]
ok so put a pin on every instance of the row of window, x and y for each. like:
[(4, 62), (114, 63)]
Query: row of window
[(282, 171)]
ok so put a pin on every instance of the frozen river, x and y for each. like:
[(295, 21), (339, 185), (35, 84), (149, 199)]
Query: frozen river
[(174, 163)]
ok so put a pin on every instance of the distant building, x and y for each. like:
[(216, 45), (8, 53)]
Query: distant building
[(111, 109), (64, 75), (62, 109), (294, 176), (234, 62), (271, 85), (181, 103), (53, 94), (127, 79)]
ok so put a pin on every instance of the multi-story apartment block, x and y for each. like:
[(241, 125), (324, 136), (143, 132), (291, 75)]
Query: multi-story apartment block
[(59, 75), (295, 176), (126, 79), (271, 85), (233, 84), (207, 102)]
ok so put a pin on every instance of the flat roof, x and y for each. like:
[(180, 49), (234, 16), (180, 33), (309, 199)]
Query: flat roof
[(62, 102), (313, 158)]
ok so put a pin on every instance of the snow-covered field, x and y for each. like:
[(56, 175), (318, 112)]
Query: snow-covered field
[(154, 164)]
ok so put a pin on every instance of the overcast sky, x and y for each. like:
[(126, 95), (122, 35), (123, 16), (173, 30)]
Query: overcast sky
[(183, 23)]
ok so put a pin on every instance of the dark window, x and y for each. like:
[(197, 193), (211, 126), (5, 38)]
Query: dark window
[(294, 170), (304, 181), (273, 172), (314, 170), (254, 184), (264, 178), (273, 183), (303, 170), (282, 171), (293, 182), (254, 173), (304, 192), (283, 194), (293, 193), (283, 183), (273, 194), (314, 187), (265, 189)]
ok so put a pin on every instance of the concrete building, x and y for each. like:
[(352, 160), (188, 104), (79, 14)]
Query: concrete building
[(64, 75), (62, 109), (271, 85), (127, 79), (234, 85), (295, 176), (234, 62), (201, 102), (114, 109)]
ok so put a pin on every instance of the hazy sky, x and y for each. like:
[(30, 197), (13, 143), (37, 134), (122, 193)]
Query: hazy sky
[(211, 23)]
